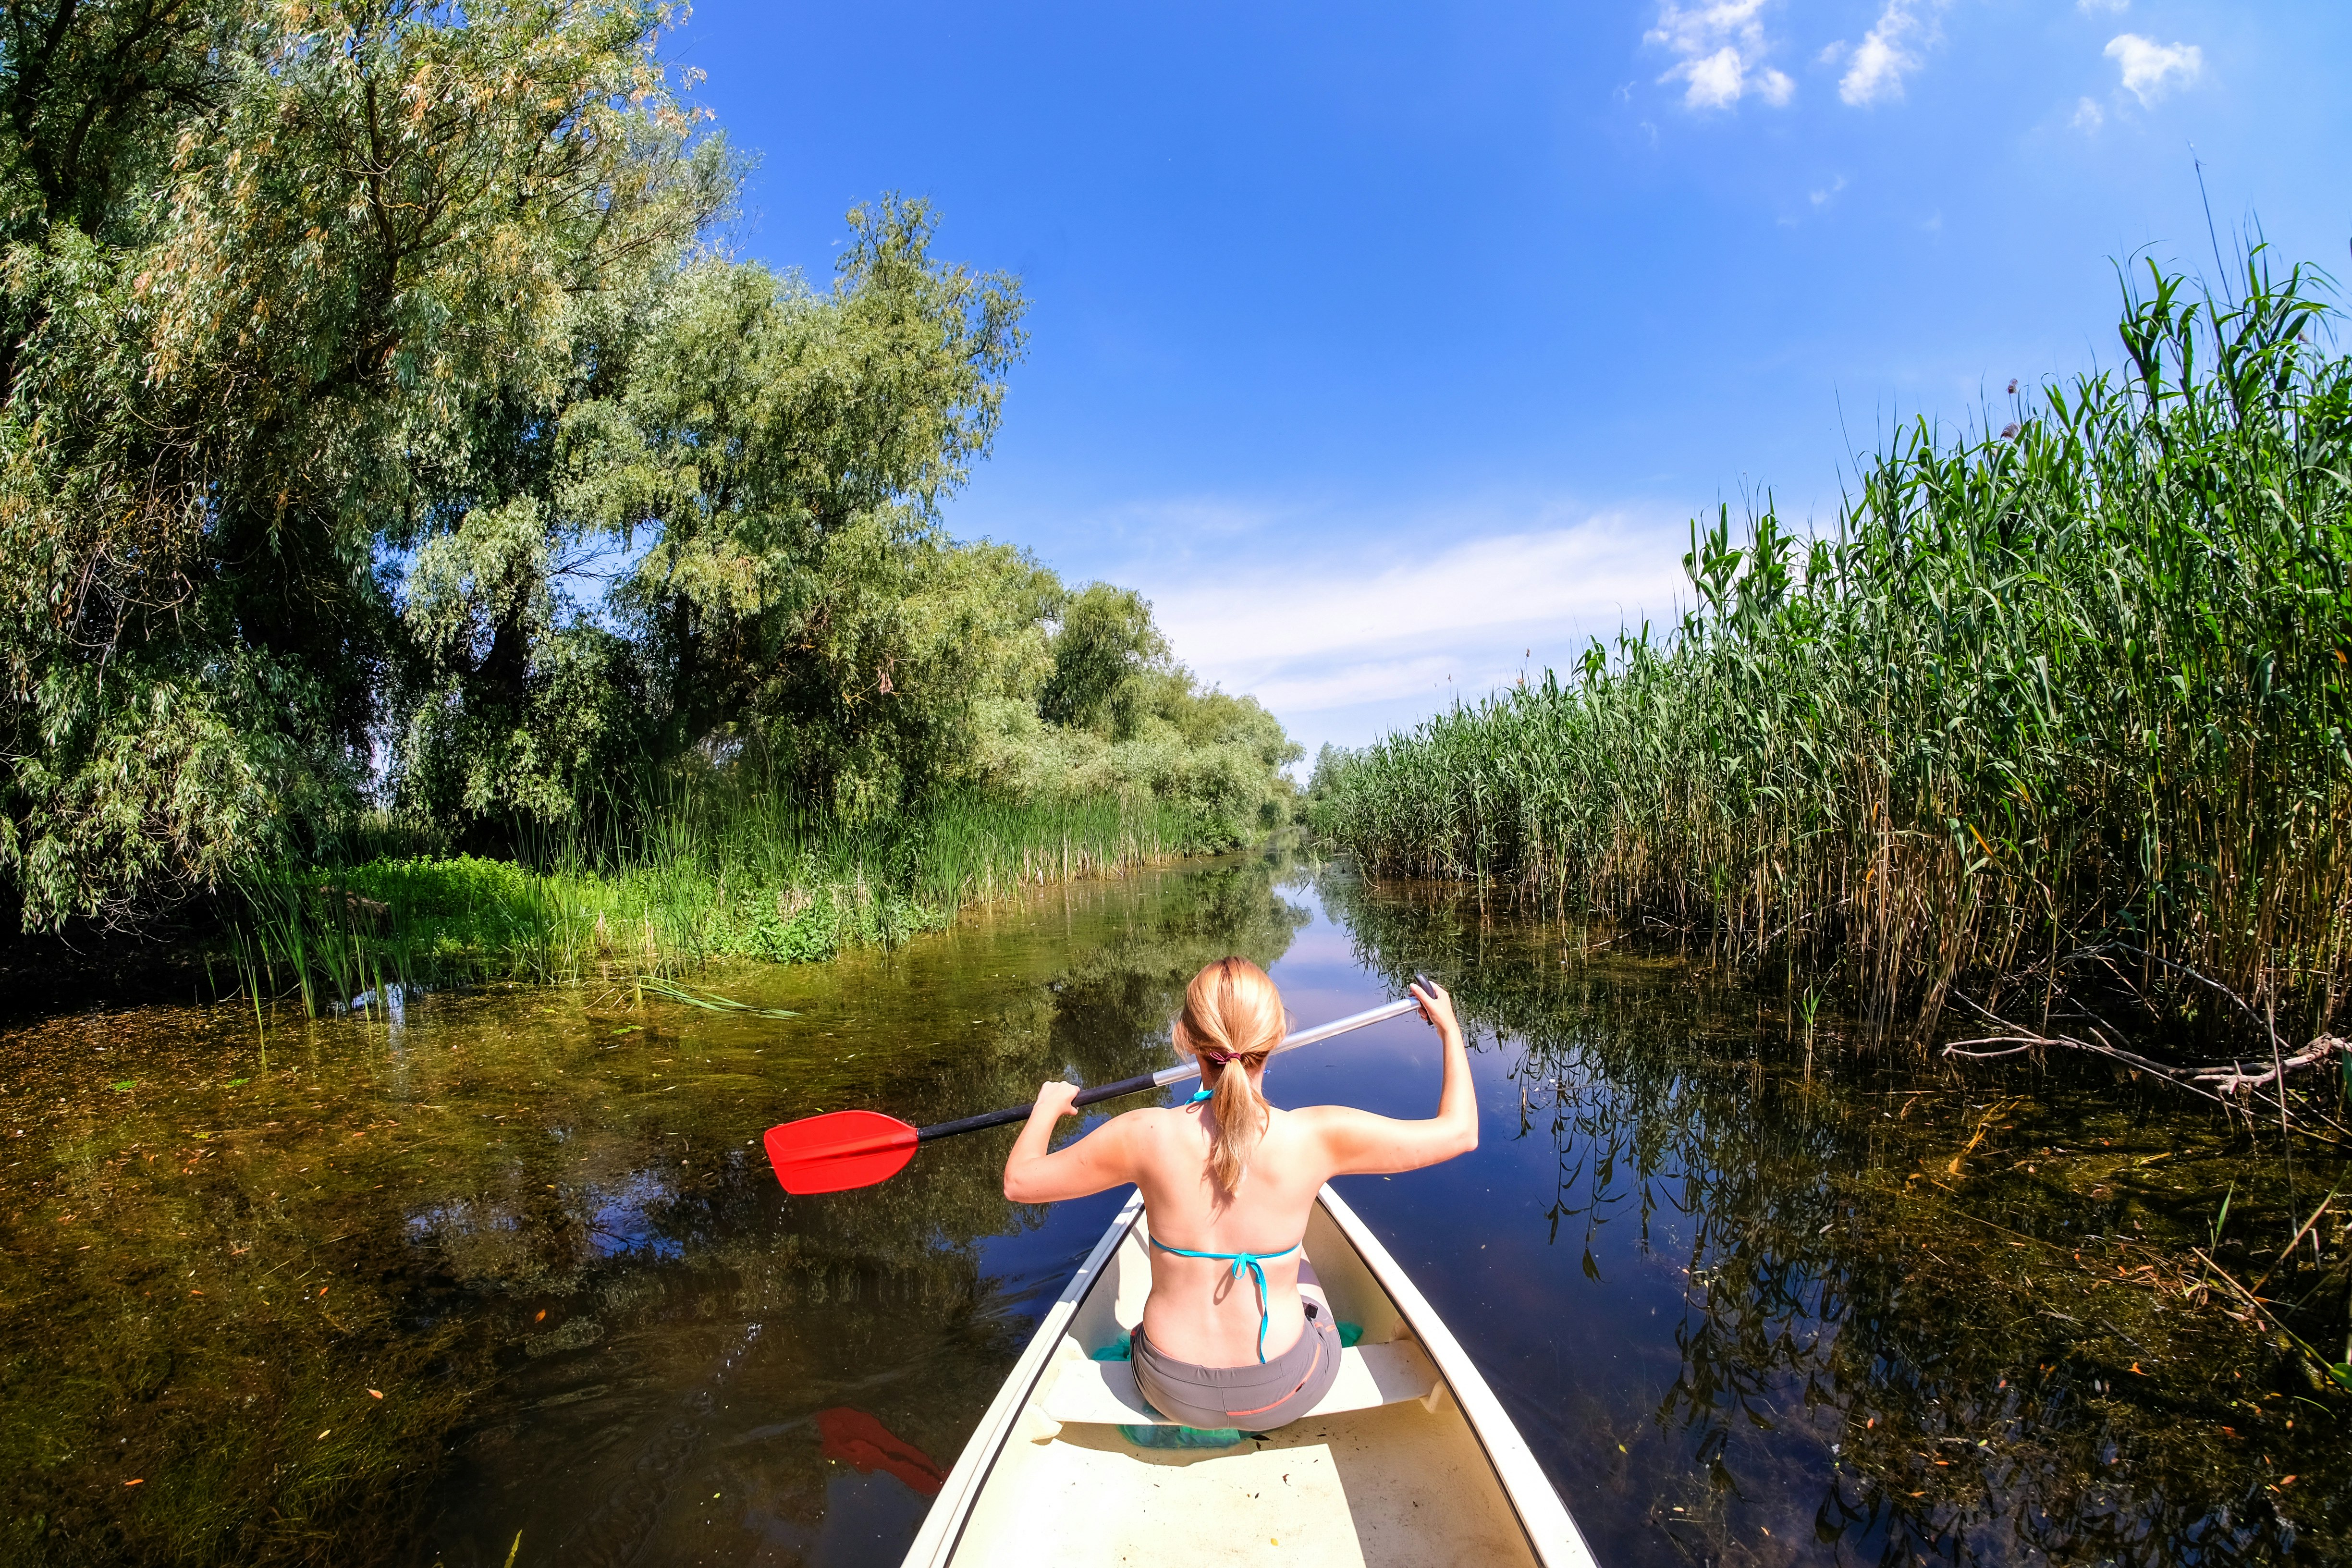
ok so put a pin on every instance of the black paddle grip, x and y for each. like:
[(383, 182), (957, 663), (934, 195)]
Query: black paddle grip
[(986, 1120), (1135, 1085)]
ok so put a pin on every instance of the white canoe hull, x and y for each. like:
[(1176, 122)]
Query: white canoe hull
[(1423, 1467)]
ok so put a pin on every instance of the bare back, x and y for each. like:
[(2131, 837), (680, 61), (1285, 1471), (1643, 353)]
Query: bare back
[(1203, 1309), (1199, 1310)]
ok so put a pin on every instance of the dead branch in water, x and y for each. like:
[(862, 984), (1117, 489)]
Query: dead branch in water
[(2214, 1079), (2225, 1083)]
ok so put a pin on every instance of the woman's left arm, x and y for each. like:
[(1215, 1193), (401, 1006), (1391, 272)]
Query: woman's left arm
[(1094, 1163)]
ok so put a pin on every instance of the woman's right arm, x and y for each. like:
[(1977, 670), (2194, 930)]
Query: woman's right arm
[(1358, 1143)]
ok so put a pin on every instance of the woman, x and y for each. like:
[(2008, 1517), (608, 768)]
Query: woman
[(1236, 1332)]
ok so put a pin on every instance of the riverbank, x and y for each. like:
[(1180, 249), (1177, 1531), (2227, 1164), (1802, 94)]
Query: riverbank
[(748, 878), (708, 882)]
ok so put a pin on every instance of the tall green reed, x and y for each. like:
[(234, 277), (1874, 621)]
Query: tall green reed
[(2058, 709), (709, 873)]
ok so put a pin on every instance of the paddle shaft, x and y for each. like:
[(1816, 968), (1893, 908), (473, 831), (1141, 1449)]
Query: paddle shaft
[(1165, 1076)]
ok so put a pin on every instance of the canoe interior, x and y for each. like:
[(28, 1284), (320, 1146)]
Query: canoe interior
[(1396, 1484)]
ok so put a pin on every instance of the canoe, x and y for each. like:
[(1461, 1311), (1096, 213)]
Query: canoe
[(1409, 1459)]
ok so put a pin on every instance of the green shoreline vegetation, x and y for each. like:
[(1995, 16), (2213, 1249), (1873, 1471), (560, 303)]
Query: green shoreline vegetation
[(750, 879), (448, 561), (2045, 742), (2044, 752)]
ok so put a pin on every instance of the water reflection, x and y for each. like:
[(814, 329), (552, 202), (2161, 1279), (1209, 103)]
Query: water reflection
[(467, 1264), (1852, 1359), (512, 1263)]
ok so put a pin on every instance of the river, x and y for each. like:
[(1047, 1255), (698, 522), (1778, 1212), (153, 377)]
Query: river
[(502, 1277)]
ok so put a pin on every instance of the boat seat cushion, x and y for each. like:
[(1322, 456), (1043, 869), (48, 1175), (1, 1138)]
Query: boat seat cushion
[(1104, 1392)]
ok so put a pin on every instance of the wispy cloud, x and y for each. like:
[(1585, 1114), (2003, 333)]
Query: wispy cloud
[(1339, 632), (2088, 115), (1821, 197), (2112, 7), (2151, 69), (1889, 52), (1720, 49)]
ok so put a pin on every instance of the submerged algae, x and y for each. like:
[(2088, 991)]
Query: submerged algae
[(1743, 1305)]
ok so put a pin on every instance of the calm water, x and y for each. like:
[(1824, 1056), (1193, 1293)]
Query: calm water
[(504, 1276)]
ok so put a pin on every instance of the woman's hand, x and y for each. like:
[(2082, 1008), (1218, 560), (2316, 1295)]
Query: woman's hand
[(1358, 1142), (1437, 1008), (1035, 1173)]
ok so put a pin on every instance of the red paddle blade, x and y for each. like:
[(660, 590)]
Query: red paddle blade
[(838, 1150)]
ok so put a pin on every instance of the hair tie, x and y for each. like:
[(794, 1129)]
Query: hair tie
[(1219, 1057)]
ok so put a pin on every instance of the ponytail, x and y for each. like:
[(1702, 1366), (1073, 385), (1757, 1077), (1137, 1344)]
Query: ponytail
[(1232, 1021)]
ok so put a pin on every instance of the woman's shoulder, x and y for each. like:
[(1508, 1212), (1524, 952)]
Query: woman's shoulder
[(1315, 1121), (1147, 1120), (1317, 1115)]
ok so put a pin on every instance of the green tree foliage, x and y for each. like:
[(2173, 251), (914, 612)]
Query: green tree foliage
[(1104, 657), (349, 344)]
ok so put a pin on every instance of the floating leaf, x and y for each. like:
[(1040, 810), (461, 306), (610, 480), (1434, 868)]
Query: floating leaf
[(125, 1084), (713, 1001)]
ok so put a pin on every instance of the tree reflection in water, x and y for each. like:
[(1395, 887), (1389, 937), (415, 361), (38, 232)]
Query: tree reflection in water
[(1873, 1360), (540, 1225)]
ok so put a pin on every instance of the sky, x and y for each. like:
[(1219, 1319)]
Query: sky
[(1392, 350)]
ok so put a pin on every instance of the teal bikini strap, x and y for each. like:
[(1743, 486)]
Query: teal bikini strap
[(1200, 1094), (1241, 1260)]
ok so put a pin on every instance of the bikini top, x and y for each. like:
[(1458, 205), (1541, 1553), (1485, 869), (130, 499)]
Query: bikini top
[(1240, 1260)]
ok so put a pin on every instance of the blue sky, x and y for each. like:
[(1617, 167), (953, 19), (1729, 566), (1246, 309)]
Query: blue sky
[(1390, 350)]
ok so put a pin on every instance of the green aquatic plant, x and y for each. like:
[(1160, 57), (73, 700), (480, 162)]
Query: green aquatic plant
[(710, 1001), (2059, 710), (713, 876)]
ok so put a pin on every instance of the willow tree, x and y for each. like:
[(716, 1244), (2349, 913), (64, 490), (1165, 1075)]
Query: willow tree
[(285, 282), (769, 461)]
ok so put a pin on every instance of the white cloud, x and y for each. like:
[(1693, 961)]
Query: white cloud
[(2112, 7), (1341, 632), (1715, 80), (2088, 115), (2150, 69), (1821, 197), (1720, 48), (1888, 52)]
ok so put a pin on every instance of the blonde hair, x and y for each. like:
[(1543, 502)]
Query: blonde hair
[(1232, 1021)]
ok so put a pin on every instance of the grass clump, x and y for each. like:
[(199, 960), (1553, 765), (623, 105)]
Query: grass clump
[(2061, 715), (710, 877)]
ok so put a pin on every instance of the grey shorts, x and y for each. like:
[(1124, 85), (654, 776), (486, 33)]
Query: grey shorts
[(1257, 1396)]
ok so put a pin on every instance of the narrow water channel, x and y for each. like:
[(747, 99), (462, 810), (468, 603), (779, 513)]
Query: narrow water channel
[(503, 1278)]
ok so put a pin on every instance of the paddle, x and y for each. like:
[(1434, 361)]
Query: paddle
[(842, 1149)]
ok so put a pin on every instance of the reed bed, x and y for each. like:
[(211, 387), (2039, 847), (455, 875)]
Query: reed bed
[(2056, 719), (712, 875)]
